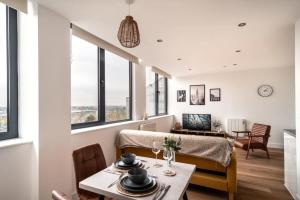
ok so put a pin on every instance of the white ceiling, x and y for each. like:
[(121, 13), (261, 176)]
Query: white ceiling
[(204, 33)]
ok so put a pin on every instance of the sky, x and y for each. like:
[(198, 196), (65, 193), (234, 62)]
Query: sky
[(3, 63), (84, 75), (84, 72)]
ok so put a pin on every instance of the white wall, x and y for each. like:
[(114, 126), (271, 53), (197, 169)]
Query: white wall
[(138, 93), (28, 88), (239, 98), (16, 172), (54, 103), (297, 76)]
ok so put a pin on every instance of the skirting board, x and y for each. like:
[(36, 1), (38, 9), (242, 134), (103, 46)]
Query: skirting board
[(275, 145), (295, 198)]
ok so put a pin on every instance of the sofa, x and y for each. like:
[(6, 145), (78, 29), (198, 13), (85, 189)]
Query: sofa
[(209, 173)]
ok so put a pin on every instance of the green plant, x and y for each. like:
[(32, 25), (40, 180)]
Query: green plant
[(90, 118), (171, 143)]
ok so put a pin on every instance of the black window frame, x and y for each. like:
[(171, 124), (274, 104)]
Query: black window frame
[(12, 74), (101, 95), (166, 96), (156, 93)]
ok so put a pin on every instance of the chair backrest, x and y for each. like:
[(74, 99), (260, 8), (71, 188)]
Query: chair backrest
[(261, 129), (59, 196), (87, 161)]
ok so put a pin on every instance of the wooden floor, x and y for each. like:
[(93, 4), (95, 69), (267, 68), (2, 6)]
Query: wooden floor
[(258, 179)]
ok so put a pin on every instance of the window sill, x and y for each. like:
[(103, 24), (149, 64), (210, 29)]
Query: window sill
[(14, 142), (95, 128), (158, 116)]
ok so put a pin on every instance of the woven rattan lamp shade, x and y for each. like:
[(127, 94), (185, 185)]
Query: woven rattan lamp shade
[(128, 33)]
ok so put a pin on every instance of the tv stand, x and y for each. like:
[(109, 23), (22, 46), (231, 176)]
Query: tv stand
[(196, 132)]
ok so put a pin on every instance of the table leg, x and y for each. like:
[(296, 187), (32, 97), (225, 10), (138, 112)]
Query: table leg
[(185, 197)]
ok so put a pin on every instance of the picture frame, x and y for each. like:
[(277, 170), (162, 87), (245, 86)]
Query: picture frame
[(197, 94), (181, 96), (215, 94)]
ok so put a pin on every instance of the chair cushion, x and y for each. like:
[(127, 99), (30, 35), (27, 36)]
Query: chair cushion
[(243, 143)]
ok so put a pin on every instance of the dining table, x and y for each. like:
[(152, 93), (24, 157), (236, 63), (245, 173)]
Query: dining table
[(102, 182)]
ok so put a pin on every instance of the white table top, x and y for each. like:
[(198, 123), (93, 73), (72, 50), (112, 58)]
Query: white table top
[(98, 183)]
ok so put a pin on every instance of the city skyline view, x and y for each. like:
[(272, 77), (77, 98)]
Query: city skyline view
[(84, 84), (3, 70), (3, 57), (85, 80)]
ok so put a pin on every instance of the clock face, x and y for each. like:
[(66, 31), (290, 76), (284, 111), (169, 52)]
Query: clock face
[(265, 90)]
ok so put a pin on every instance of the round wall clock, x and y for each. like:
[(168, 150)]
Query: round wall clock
[(265, 90)]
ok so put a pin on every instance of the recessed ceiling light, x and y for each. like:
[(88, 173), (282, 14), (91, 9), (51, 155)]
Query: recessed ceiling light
[(225, 66), (189, 69), (242, 24), (234, 64), (238, 51), (159, 40), (179, 59)]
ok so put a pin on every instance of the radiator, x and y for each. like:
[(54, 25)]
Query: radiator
[(236, 125)]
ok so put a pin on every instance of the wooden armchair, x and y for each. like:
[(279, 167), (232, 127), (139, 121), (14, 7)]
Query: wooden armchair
[(257, 138)]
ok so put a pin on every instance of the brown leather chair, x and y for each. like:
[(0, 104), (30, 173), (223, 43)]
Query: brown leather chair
[(257, 138), (88, 161), (59, 196)]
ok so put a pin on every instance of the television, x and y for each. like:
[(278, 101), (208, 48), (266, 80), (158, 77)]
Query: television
[(200, 122)]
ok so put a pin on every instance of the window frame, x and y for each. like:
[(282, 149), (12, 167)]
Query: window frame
[(101, 94), (156, 93), (12, 74), (166, 97)]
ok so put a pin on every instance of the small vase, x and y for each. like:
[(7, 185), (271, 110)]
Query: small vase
[(173, 155), (168, 156)]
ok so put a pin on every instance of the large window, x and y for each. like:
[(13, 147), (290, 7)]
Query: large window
[(156, 93), (162, 94), (101, 85), (84, 81), (117, 90), (8, 73), (150, 92)]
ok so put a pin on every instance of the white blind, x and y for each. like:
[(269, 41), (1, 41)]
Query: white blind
[(20, 5), (161, 72), (79, 32)]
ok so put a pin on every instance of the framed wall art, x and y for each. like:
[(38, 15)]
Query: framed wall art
[(181, 96), (215, 94), (197, 94)]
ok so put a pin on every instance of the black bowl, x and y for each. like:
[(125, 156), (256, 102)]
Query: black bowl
[(137, 175), (128, 158)]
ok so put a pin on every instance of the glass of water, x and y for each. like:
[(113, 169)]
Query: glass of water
[(156, 150)]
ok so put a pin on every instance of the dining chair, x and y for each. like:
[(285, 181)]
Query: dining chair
[(88, 160), (56, 195), (257, 138)]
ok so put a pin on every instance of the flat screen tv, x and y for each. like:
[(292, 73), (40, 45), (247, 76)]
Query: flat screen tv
[(200, 122)]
